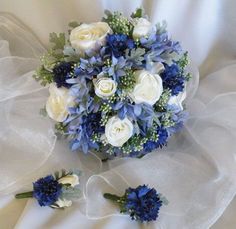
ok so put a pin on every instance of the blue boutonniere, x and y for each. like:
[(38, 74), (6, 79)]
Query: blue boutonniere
[(55, 191), (141, 203)]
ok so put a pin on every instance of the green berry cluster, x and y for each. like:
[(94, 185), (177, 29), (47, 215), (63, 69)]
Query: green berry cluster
[(183, 61), (96, 137), (134, 144), (118, 23), (106, 110), (127, 82), (166, 120), (152, 134), (160, 106)]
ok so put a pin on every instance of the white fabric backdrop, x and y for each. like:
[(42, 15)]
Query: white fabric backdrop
[(206, 29)]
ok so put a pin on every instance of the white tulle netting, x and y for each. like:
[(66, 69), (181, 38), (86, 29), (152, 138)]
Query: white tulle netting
[(196, 172)]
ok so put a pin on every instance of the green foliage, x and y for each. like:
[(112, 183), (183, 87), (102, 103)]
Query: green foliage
[(59, 174), (183, 61), (74, 24), (43, 76), (43, 112), (70, 193), (118, 23), (161, 27), (135, 55), (138, 13), (57, 40), (60, 128)]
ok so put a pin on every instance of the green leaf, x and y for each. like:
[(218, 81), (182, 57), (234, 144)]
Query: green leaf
[(56, 175), (137, 14), (43, 112), (161, 28), (136, 55), (58, 40), (63, 173), (70, 193), (74, 24), (43, 76)]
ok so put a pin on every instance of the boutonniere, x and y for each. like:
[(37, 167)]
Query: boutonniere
[(141, 203), (56, 191)]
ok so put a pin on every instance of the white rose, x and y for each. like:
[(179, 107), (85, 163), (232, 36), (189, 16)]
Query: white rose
[(148, 88), (118, 131), (177, 100), (86, 36), (142, 27), (58, 103), (104, 87), (72, 180), (61, 203)]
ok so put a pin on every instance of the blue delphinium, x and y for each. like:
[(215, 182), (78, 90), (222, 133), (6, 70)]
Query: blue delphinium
[(141, 203), (118, 43), (61, 73), (47, 190), (173, 79), (179, 117)]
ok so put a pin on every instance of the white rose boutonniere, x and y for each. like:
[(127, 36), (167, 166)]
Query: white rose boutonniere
[(142, 27), (58, 103), (118, 131), (148, 88), (86, 36)]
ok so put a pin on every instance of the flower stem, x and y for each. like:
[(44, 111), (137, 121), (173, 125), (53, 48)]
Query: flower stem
[(111, 197), (24, 195)]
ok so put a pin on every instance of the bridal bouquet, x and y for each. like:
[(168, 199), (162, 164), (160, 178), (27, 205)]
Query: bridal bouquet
[(116, 86)]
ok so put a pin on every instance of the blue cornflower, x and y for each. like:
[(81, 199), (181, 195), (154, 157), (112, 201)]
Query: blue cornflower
[(118, 43), (141, 203), (86, 127), (173, 79), (47, 190), (61, 73), (91, 124), (162, 140)]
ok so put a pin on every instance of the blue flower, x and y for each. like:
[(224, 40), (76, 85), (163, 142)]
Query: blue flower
[(142, 203), (173, 79), (86, 127), (61, 73), (117, 68), (47, 190), (162, 140), (118, 43), (179, 117), (91, 124)]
